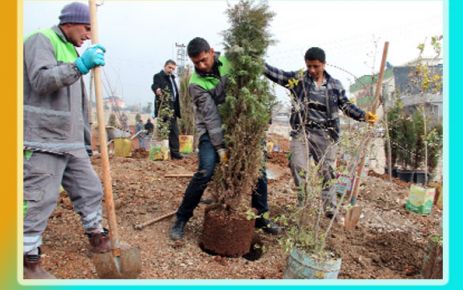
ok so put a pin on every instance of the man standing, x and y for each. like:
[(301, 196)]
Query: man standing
[(57, 134), (141, 135), (207, 88), (319, 97), (164, 82)]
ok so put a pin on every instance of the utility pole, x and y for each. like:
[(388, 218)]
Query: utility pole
[(181, 57)]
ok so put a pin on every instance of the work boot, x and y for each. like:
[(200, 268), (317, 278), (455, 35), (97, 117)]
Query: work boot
[(268, 226), (99, 241), (32, 266), (177, 230), (176, 155)]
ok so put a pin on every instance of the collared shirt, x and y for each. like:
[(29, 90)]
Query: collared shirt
[(174, 88)]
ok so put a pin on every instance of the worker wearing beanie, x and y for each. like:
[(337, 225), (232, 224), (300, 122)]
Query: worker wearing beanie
[(57, 134)]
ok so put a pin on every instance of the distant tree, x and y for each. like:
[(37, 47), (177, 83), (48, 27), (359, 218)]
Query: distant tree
[(148, 108), (187, 122), (137, 118)]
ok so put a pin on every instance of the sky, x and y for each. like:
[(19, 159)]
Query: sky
[(141, 35)]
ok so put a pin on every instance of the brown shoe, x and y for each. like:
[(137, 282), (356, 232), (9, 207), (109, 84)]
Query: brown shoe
[(100, 242), (33, 268)]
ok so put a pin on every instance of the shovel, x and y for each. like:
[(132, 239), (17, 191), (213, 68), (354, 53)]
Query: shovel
[(354, 212), (122, 261)]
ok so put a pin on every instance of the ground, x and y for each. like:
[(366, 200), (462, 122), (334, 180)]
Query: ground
[(388, 243)]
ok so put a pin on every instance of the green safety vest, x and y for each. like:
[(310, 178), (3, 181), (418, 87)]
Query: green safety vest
[(210, 82), (64, 50)]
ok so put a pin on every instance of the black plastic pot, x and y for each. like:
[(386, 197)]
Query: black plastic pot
[(419, 177), (405, 175), (393, 171)]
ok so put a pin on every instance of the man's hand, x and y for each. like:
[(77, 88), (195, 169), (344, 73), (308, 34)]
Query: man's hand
[(158, 92), (92, 57), (222, 152), (371, 117)]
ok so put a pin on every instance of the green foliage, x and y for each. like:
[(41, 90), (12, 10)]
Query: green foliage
[(165, 115), (147, 109), (112, 120), (437, 239), (306, 226), (137, 118), (246, 111), (434, 140), (416, 138), (187, 122)]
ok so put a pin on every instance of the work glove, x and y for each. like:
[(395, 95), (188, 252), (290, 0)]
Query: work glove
[(222, 152), (371, 117), (92, 57)]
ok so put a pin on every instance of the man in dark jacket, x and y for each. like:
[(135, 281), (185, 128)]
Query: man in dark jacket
[(164, 82), (317, 99), (57, 133), (207, 88)]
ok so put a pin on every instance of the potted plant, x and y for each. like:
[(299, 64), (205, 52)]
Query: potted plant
[(428, 81), (159, 147), (306, 238), (187, 122), (245, 116)]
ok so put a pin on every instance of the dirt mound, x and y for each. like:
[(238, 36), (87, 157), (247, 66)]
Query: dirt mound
[(388, 242)]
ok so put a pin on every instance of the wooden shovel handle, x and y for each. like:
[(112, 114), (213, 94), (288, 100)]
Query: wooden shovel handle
[(379, 83), (374, 106), (107, 185), (155, 220)]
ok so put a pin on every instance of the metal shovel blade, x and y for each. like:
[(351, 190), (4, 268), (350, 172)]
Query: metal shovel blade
[(352, 217), (125, 266)]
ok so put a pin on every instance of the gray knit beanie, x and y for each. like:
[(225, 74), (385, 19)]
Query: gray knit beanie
[(75, 13)]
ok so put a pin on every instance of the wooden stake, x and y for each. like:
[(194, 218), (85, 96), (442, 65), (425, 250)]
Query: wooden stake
[(353, 214)]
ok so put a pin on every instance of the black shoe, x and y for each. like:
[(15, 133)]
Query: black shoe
[(268, 226), (329, 211), (177, 230), (329, 214), (176, 155)]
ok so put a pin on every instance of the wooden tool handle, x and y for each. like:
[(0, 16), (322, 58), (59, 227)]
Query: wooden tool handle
[(152, 221), (374, 106), (107, 185), (379, 83)]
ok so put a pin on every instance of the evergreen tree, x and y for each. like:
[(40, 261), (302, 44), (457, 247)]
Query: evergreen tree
[(247, 109)]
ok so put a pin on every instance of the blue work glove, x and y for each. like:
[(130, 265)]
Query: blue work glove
[(92, 57)]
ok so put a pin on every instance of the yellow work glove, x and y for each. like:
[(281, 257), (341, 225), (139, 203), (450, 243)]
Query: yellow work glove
[(371, 117), (222, 155)]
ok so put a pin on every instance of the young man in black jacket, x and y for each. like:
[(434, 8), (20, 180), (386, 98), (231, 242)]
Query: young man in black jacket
[(164, 81)]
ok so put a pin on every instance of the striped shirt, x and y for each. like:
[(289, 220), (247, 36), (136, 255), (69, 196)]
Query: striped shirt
[(316, 106)]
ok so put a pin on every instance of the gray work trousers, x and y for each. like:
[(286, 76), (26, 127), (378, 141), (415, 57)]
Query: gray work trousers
[(321, 148), (43, 175)]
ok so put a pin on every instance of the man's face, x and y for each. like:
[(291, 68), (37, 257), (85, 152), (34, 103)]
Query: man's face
[(77, 33), (315, 68), (204, 61), (169, 69)]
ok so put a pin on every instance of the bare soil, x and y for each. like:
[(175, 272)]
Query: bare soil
[(388, 243)]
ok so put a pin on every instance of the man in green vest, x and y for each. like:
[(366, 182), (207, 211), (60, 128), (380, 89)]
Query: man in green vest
[(207, 88), (57, 133)]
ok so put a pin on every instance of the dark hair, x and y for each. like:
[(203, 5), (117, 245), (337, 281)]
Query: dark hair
[(315, 53), (196, 46), (170, 61)]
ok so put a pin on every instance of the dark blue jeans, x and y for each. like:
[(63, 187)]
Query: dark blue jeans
[(208, 159)]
